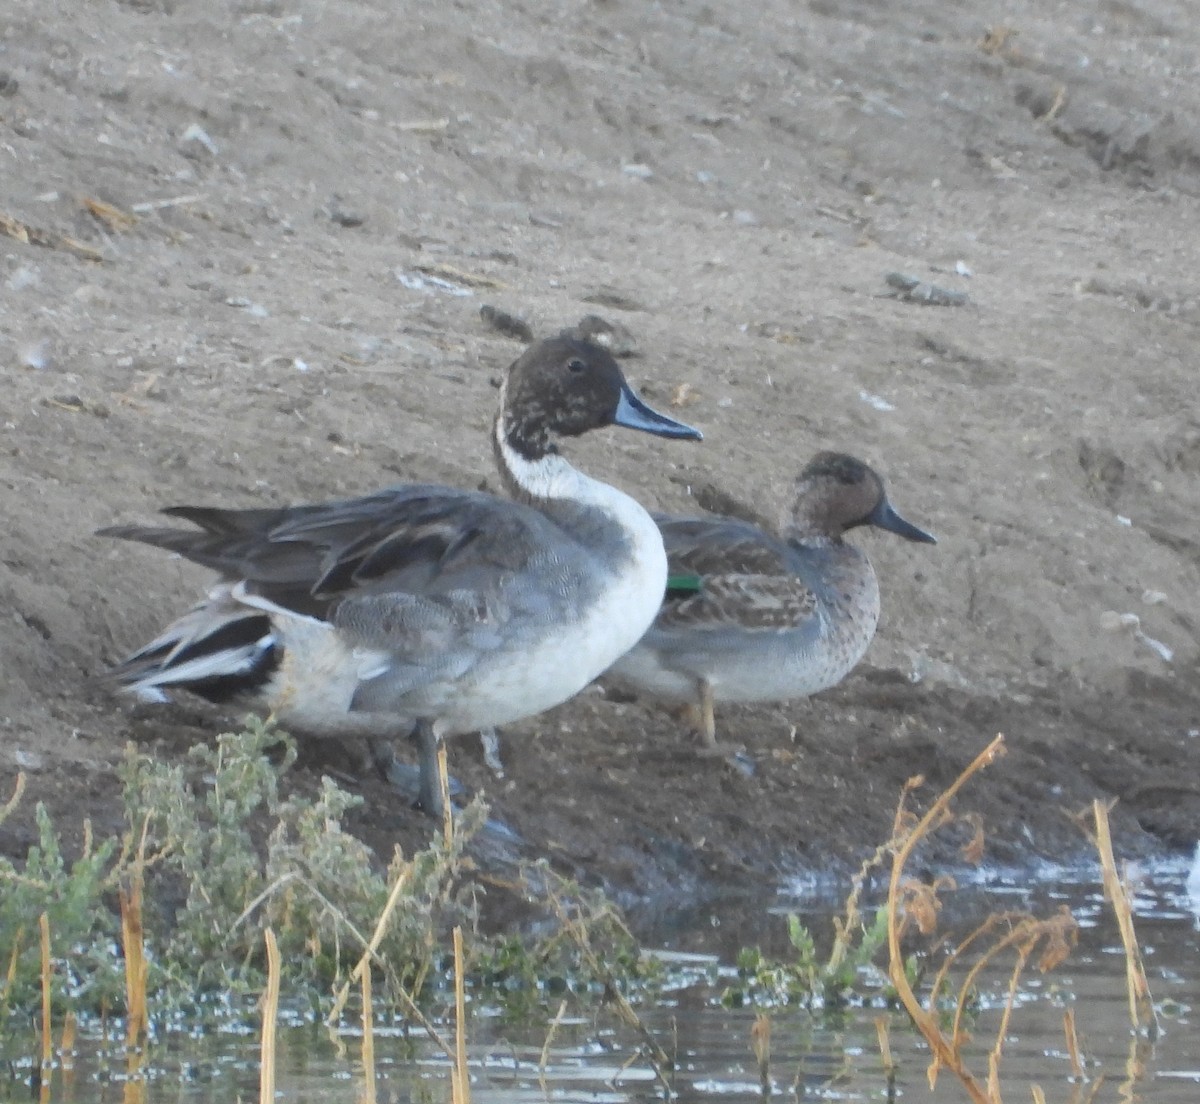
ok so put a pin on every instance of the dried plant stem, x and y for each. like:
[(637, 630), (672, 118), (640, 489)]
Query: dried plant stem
[(368, 1041), (266, 1077), (461, 1079), (66, 1047), (47, 982), (1072, 1038), (18, 789), (371, 953), (11, 973), (371, 946), (1025, 933), (545, 1059), (1135, 1068), (133, 943), (845, 927), (885, 1054), (760, 1045), (1141, 1005), (993, 1081), (578, 935), (945, 1052)]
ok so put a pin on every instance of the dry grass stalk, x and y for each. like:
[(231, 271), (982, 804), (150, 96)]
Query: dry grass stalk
[(136, 968), (1141, 1004), (885, 1053), (460, 276), (1047, 942), (1072, 1039), (18, 790), (1135, 1069), (545, 1059), (846, 927), (266, 1075), (111, 217), (577, 933), (368, 1041), (371, 948), (1056, 936), (11, 973), (760, 1045), (946, 1052), (371, 954), (460, 1082), (47, 981), (66, 1048)]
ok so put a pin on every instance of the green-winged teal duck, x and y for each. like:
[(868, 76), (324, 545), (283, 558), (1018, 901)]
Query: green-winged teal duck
[(752, 615)]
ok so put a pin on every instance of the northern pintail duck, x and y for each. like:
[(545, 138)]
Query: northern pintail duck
[(425, 608), (752, 615)]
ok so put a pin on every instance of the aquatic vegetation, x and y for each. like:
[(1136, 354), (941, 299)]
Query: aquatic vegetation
[(221, 886), (939, 990), (213, 856), (846, 976), (313, 883), (173, 916), (83, 930), (579, 943)]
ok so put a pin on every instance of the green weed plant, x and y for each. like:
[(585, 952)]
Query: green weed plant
[(223, 856)]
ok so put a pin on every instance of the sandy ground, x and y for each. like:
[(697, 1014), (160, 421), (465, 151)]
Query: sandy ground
[(327, 193)]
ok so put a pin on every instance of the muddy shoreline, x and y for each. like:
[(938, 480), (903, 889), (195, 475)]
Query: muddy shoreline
[(320, 202)]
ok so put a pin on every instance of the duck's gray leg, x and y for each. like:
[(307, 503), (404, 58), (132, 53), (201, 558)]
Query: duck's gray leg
[(382, 756), (490, 738), (429, 789)]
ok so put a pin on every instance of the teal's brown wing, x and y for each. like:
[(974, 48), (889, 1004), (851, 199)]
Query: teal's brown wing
[(725, 573)]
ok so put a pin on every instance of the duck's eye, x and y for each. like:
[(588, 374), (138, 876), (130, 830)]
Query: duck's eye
[(576, 365)]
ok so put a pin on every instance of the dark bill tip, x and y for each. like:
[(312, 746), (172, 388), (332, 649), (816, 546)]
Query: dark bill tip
[(632, 413), (885, 517)]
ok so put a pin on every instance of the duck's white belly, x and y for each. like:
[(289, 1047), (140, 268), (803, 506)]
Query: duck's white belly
[(562, 663)]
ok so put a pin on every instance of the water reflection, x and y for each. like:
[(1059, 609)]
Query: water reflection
[(811, 1058)]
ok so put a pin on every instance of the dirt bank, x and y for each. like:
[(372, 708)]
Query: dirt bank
[(325, 196)]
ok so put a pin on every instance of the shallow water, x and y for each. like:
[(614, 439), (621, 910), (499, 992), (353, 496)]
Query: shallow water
[(812, 1057)]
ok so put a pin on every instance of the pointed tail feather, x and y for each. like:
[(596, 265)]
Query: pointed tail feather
[(220, 649)]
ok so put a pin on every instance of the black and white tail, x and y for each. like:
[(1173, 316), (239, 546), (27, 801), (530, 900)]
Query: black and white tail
[(220, 649)]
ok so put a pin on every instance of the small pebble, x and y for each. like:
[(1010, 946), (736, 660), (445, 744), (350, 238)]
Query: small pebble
[(35, 355), (194, 139), (344, 216), (508, 324), (875, 401), (248, 305)]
